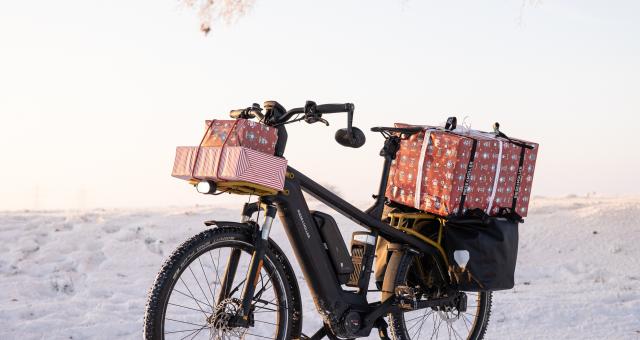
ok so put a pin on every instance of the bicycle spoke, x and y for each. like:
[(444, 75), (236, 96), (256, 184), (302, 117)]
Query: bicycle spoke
[(196, 334), (237, 287), (265, 310), (217, 276), (213, 297), (263, 289), (455, 333), (188, 323), (270, 323), (421, 323), (267, 303), (416, 323), (259, 336), (201, 290), (438, 327), (181, 306), (417, 317), (186, 330), (464, 319), (196, 300)]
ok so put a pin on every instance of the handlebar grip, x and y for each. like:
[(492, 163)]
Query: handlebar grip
[(334, 108), (246, 113), (235, 114)]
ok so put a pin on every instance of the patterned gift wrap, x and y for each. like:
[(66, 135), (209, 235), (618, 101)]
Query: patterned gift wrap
[(241, 132), (231, 163), (441, 177)]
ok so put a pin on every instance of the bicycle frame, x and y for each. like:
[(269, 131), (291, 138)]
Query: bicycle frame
[(331, 300), (308, 245)]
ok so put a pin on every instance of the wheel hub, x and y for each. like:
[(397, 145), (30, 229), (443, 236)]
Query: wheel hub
[(221, 322)]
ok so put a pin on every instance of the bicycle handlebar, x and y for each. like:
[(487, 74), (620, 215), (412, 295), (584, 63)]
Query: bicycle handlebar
[(334, 108), (312, 112)]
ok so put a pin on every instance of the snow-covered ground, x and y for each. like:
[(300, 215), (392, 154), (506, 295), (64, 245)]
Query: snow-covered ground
[(84, 275)]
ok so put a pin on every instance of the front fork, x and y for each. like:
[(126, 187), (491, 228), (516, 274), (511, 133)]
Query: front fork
[(260, 245)]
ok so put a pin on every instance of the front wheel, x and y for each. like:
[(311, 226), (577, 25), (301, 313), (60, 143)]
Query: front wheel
[(197, 293), (435, 324)]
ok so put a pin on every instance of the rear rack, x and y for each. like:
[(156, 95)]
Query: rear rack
[(407, 221)]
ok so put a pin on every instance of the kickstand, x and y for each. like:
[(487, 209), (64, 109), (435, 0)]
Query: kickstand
[(382, 329)]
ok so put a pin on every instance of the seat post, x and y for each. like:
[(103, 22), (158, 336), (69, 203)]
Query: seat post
[(389, 151)]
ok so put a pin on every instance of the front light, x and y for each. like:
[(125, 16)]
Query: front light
[(206, 187)]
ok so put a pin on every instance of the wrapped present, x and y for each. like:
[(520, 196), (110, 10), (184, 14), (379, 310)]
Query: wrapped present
[(229, 163), (448, 172), (241, 132)]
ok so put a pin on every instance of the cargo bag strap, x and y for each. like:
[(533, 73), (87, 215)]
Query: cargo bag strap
[(516, 189), (209, 128), (467, 178), (498, 133)]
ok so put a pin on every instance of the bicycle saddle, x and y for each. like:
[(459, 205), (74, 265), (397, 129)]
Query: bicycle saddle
[(404, 130)]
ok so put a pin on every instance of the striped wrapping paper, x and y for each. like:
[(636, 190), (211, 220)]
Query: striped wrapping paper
[(236, 164)]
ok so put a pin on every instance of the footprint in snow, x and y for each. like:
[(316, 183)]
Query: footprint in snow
[(110, 229), (153, 245), (29, 248), (28, 315), (92, 262), (66, 226), (60, 284)]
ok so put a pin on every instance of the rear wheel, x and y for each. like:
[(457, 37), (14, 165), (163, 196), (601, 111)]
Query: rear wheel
[(430, 323), (187, 299)]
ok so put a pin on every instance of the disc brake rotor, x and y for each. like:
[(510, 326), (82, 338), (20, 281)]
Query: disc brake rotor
[(219, 321)]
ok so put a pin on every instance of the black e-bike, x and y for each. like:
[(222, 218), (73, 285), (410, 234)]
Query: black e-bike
[(233, 282)]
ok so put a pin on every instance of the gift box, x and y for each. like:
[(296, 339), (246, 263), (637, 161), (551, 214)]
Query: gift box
[(229, 163), (448, 172), (241, 132)]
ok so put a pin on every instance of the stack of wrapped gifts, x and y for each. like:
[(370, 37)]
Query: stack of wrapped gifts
[(448, 172)]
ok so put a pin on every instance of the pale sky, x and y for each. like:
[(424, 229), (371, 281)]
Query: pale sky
[(95, 95)]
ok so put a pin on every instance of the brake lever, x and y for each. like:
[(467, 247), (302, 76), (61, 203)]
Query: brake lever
[(313, 117), (312, 120), (322, 120)]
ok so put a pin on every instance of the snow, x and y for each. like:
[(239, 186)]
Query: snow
[(85, 274)]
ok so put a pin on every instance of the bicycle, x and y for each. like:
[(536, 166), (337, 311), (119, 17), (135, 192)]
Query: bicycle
[(233, 281)]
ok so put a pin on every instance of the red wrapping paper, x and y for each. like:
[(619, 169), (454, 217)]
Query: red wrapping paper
[(241, 132), (433, 177)]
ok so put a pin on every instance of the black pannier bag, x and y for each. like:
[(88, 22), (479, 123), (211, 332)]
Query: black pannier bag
[(490, 247)]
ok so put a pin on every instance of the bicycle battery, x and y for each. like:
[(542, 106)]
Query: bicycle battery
[(334, 244)]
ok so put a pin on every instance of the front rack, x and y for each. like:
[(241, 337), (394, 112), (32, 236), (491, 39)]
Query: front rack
[(241, 188)]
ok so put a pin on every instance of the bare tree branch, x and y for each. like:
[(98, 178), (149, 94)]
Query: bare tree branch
[(210, 11), (523, 6)]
